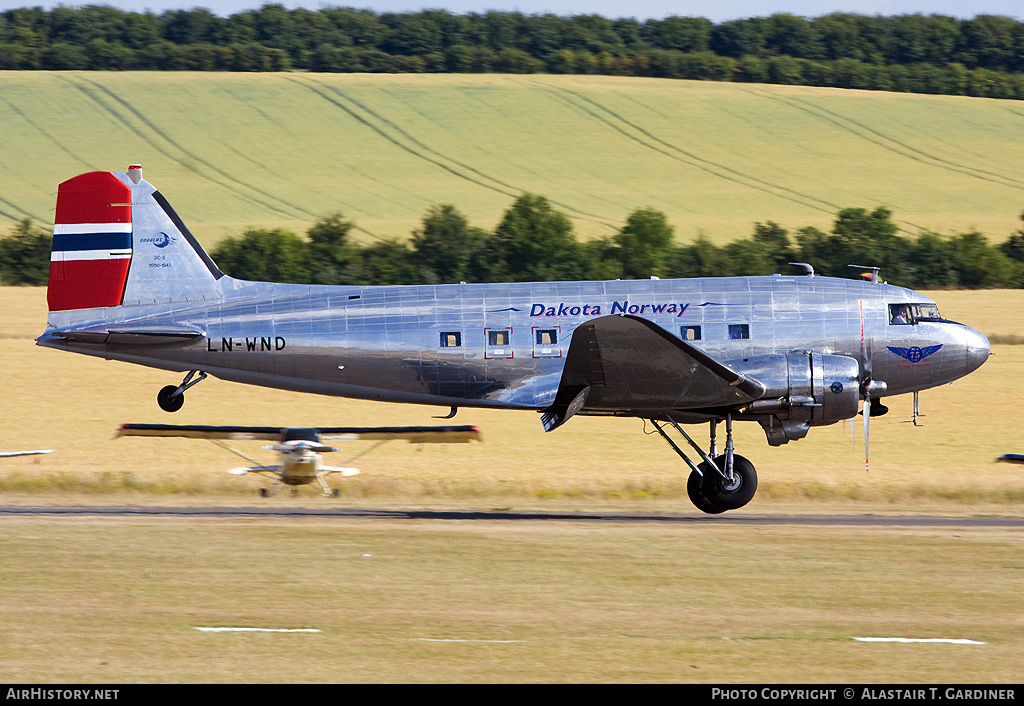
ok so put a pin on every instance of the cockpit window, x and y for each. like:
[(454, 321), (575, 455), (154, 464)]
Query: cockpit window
[(926, 312), (909, 314)]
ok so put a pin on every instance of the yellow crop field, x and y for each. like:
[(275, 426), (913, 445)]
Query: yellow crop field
[(237, 150)]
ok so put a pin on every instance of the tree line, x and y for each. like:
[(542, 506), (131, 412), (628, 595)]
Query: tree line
[(534, 241), (983, 56)]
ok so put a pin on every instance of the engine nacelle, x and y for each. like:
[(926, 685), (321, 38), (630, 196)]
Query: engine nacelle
[(805, 389)]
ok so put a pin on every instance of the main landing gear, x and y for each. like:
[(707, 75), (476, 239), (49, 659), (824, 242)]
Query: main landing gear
[(719, 483), (171, 398)]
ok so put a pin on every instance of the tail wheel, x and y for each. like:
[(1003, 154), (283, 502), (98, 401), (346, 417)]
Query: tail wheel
[(696, 492), (734, 494), (168, 401)]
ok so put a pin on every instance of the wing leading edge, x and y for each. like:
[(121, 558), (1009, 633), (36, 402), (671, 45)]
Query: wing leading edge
[(415, 435), (629, 363)]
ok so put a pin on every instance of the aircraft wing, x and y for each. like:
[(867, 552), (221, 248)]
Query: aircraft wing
[(416, 435), (199, 431), (629, 363), (8, 454)]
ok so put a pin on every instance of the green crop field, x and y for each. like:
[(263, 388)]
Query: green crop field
[(237, 150)]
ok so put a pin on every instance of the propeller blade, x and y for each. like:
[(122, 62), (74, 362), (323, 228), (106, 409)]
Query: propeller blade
[(867, 424)]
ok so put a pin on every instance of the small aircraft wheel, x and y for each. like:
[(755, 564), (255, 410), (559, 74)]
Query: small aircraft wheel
[(734, 495), (696, 492), (168, 401)]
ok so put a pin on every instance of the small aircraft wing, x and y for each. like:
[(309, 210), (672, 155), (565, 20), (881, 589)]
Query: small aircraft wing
[(200, 431), (8, 454), (416, 435)]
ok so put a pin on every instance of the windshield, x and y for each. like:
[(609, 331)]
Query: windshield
[(910, 313)]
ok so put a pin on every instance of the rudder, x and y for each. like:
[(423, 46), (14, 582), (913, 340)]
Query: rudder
[(92, 243), (117, 242)]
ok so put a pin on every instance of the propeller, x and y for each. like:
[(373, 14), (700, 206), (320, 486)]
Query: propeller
[(869, 388)]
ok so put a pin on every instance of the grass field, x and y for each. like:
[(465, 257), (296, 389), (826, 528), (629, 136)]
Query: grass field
[(237, 150), (117, 600)]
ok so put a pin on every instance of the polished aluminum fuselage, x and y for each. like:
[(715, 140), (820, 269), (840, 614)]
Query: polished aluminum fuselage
[(395, 343)]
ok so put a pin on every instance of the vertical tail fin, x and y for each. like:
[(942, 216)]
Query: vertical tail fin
[(92, 243), (117, 242)]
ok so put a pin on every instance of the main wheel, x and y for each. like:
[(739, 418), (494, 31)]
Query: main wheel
[(168, 401), (696, 493), (730, 495)]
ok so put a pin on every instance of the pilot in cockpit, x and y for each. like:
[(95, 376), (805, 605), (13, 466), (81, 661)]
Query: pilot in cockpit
[(900, 314)]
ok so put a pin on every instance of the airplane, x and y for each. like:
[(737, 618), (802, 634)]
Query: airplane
[(129, 282), (11, 454), (300, 449)]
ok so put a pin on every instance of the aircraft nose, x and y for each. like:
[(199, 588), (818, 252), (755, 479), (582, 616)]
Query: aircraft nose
[(978, 349)]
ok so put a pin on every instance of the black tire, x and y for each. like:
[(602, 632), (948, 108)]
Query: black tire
[(168, 401), (696, 493), (719, 494)]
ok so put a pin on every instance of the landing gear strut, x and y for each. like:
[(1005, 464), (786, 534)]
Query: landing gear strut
[(171, 398), (726, 482)]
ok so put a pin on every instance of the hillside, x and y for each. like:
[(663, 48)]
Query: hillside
[(232, 150)]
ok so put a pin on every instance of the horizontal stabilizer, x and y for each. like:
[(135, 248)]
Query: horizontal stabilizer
[(131, 336), (310, 446), (254, 469), (342, 471), (416, 435)]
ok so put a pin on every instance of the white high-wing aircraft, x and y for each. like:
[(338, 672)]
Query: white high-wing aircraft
[(300, 449), (129, 282)]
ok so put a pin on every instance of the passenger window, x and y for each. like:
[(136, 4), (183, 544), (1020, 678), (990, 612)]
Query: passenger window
[(738, 331), (451, 339), (900, 314), (547, 337), (690, 333), (499, 343)]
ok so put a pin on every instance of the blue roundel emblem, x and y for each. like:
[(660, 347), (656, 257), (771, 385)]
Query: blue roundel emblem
[(836, 387)]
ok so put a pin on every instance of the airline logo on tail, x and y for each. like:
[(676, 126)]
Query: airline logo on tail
[(92, 243)]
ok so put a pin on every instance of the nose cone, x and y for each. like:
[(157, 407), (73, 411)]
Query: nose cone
[(978, 348)]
